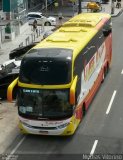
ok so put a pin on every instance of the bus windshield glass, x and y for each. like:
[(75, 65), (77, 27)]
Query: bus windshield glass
[(35, 103), (51, 68)]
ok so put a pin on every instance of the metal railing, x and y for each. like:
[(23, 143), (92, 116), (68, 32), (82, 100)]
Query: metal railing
[(32, 37)]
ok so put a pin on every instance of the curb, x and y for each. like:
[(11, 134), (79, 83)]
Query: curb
[(119, 13)]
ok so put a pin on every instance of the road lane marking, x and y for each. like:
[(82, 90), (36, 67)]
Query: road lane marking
[(111, 101), (122, 71), (9, 157), (94, 147)]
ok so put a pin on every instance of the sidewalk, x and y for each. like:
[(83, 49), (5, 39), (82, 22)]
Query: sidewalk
[(25, 38), (8, 113)]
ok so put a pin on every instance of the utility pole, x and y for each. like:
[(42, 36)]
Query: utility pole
[(79, 6), (112, 6), (46, 7)]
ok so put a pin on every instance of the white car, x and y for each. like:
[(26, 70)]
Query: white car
[(41, 20)]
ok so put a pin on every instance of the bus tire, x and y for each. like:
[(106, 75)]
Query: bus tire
[(104, 74), (107, 67), (47, 24), (83, 110)]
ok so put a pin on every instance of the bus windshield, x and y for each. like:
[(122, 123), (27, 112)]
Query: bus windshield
[(44, 69), (35, 103)]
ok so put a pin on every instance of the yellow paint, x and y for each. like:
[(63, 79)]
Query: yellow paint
[(43, 86), (22, 129), (73, 90), (10, 90), (71, 127)]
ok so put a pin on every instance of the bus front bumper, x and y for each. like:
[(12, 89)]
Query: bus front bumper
[(63, 129)]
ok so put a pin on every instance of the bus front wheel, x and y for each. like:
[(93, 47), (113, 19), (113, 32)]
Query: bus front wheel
[(105, 71), (83, 112)]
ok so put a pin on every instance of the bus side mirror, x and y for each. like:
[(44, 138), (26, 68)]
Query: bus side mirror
[(73, 91), (10, 90), (107, 30)]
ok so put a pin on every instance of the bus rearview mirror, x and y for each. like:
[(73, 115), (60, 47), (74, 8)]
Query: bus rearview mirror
[(73, 91), (10, 90)]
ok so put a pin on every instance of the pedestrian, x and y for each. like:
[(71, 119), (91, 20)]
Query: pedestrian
[(34, 25), (118, 5)]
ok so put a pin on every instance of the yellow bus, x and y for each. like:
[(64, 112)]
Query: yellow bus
[(59, 76)]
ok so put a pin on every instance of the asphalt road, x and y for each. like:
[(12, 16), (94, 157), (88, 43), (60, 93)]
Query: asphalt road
[(101, 131)]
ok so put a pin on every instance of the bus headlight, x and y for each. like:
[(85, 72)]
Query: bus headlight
[(25, 124), (63, 126)]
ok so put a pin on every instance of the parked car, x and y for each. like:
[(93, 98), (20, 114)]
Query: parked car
[(21, 50), (9, 71), (41, 20), (84, 3), (94, 6)]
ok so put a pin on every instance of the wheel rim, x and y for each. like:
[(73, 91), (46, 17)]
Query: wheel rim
[(47, 24)]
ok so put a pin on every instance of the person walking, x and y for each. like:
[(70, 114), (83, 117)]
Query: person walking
[(34, 25), (118, 5)]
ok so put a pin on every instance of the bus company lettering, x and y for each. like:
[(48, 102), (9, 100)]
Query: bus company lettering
[(94, 61), (89, 69)]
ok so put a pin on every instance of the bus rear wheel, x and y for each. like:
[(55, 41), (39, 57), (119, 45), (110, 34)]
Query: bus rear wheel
[(47, 24), (105, 71), (83, 111)]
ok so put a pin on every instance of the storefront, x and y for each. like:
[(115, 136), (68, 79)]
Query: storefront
[(15, 11)]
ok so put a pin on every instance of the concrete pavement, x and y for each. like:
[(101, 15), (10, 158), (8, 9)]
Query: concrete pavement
[(8, 113), (25, 38)]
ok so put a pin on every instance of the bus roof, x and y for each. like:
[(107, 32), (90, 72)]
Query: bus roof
[(75, 33)]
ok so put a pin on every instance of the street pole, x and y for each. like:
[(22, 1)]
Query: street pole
[(79, 7), (112, 6), (46, 7)]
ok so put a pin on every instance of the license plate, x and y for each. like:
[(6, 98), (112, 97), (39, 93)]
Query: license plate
[(43, 132)]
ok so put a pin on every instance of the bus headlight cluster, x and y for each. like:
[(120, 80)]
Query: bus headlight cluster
[(25, 124), (63, 126)]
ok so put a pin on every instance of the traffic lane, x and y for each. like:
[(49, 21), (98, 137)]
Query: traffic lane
[(76, 144), (114, 122), (47, 147), (117, 39), (112, 140), (109, 145)]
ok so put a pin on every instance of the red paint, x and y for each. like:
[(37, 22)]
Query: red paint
[(97, 83)]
